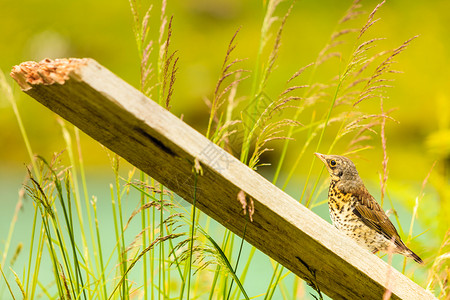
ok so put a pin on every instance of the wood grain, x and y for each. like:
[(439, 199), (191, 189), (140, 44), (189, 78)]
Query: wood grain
[(157, 142)]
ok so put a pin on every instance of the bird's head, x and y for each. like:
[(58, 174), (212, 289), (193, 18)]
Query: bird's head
[(339, 167)]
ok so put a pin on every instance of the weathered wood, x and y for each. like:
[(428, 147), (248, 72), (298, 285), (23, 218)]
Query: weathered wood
[(151, 138)]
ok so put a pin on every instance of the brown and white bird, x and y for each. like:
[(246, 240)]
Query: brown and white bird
[(355, 212)]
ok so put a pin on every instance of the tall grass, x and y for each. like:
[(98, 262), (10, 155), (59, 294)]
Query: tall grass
[(162, 250)]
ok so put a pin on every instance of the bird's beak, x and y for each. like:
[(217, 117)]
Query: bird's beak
[(321, 157)]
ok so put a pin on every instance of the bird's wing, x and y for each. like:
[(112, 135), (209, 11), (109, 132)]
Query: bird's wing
[(371, 213)]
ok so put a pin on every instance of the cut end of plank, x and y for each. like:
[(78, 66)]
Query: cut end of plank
[(46, 72)]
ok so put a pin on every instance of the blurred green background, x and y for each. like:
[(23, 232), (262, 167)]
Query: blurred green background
[(33, 30), (103, 30)]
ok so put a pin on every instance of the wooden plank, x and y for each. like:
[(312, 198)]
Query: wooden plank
[(154, 140)]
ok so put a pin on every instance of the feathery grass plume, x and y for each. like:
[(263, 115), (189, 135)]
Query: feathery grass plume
[(266, 129), (439, 275), (45, 193), (157, 241), (271, 132), (276, 48), (163, 22), (353, 86), (225, 135), (203, 254), (269, 20), (167, 61), (181, 252), (170, 68), (352, 12), (384, 176), (39, 191), (150, 188), (136, 22), (373, 86), (360, 61), (259, 81), (354, 76), (317, 91), (169, 222), (329, 50), (370, 20), (298, 73), (358, 66), (145, 46), (157, 204), (262, 114), (377, 81), (221, 91), (167, 67), (361, 125), (193, 249)]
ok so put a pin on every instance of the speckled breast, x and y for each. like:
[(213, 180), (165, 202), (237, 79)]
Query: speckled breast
[(341, 208)]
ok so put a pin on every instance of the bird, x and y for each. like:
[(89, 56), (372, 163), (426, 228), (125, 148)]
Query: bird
[(356, 213)]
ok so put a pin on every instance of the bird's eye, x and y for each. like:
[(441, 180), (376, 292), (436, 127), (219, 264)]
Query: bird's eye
[(332, 163)]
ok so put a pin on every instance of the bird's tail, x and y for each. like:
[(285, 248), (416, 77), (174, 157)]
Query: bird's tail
[(403, 249), (414, 256)]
